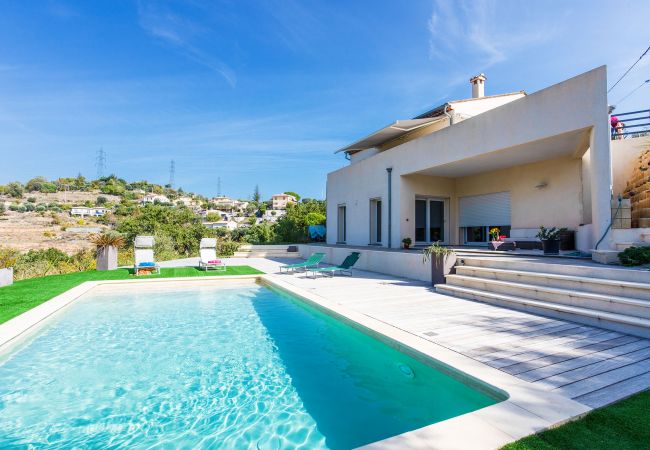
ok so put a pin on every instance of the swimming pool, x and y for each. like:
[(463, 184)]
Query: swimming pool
[(223, 366)]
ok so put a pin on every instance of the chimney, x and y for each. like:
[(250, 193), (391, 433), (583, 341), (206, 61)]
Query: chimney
[(478, 85)]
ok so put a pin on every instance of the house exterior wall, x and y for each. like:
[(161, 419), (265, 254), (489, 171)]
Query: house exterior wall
[(579, 103)]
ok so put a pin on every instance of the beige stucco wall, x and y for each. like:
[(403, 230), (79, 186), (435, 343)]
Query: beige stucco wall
[(624, 159), (558, 204)]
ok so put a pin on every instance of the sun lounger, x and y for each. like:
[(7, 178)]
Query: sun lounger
[(208, 255), (312, 261), (344, 267), (143, 255)]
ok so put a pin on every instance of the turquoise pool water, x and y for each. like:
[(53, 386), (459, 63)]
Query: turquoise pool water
[(204, 367)]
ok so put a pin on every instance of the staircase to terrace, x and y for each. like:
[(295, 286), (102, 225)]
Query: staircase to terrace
[(613, 298)]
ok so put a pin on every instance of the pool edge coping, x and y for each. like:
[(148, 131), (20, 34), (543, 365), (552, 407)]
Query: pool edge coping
[(526, 410)]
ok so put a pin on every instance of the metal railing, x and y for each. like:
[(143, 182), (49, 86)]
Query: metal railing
[(640, 125)]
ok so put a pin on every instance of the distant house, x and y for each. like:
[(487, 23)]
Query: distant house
[(83, 211), (223, 202), (228, 224), (280, 201), (272, 215), (154, 198), (187, 201)]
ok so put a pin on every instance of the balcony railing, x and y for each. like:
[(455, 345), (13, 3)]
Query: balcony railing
[(632, 124)]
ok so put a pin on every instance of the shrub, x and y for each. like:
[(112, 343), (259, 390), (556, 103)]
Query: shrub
[(14, 189), (227, 247), (29, 207), (8, 257), (635, 256), (40, 263), (31, 199)]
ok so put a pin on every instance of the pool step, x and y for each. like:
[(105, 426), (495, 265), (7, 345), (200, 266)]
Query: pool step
[(612, 321)]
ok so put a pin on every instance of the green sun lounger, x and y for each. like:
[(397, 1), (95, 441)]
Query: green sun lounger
[(312, 261), (344, 267)]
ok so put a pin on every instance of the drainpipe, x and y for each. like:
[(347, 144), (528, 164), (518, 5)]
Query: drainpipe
[(449, 116), (389, 171)]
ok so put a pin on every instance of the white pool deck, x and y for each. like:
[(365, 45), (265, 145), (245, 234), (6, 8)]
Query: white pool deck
[(552, 370)]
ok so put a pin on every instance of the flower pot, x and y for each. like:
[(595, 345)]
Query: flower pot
[(494, 245), (6, 276), (406, 246), (107, 258), (551, 247), (441, 266)]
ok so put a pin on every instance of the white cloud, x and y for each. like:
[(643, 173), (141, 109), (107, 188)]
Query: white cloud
[(180, 32), (480, 32)]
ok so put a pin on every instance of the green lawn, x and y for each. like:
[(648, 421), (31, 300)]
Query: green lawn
[(26, 294), (621, 426)]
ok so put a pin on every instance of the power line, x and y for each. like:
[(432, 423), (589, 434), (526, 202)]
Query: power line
[(172, 173), (633, 91), (628, 70), (100, 163)]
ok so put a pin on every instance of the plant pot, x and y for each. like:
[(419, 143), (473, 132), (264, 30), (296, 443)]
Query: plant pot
[(107, 258), (494, 245), (6, 276), (441, 266), (406, 246), (551, 247)]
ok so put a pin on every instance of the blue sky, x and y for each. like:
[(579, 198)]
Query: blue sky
[(263, 92)]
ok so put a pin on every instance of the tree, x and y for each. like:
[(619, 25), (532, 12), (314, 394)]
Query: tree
[(181, 225), (101, 200), (14, 189), (35, 184), (213, 217), (256, 194), (297, 197), (292, 227)]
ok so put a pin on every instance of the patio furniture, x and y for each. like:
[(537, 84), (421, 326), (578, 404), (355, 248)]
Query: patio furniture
[(312, 261), (208, 256), (143, 255), (344, 267)]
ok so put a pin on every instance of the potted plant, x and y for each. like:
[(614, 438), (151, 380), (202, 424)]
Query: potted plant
[(550, 239), (442, 260), (406, 242), (496, 239), (107, 245), (7, 262)]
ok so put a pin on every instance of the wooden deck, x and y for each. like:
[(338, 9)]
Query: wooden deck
[(590, 365)]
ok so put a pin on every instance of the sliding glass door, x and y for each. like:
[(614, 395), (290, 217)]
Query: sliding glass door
[(430, 220)]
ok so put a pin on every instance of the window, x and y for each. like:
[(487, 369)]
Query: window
[(375, 221), (341, 226)]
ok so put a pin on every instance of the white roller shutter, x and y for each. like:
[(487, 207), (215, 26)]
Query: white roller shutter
[(485, 210)]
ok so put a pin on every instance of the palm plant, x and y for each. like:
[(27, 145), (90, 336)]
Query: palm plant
[(108, 239)]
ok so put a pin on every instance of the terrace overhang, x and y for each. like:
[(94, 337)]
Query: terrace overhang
[(571, 144), (393, 131)]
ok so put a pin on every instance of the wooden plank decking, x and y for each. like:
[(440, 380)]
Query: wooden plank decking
[(590, 365)]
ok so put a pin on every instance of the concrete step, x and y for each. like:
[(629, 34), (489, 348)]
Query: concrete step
[(558, 266), (611, 321), (570, 282), (568, 297)]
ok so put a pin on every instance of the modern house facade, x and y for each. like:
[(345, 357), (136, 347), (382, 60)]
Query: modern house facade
[(512, 161)]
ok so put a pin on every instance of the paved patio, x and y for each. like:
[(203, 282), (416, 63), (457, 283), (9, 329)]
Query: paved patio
[(590, 365)]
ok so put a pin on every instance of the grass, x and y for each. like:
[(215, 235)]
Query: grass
[(25, 294), (621, 426)]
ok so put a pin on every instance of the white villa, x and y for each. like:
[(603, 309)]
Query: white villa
[(513, 161), (154, 198), (83, 211), (280, 201)]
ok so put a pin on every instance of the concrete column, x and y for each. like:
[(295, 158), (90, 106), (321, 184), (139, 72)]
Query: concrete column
[(601, 183)]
